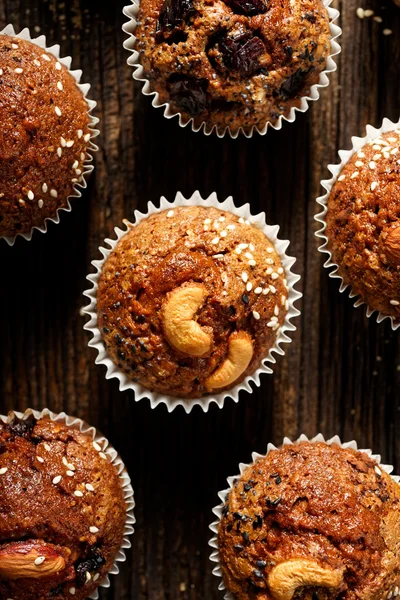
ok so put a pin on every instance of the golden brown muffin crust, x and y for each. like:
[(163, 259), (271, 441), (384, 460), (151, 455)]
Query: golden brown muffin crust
[(44, 135), (239, 63), (363, 223), (61, 505), (312, 501), (231, 261)]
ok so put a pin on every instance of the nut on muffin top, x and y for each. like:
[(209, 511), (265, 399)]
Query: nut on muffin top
[(363, 223), (44, 135), (235, 63), (311, 520), (62, 511), (191, 300)]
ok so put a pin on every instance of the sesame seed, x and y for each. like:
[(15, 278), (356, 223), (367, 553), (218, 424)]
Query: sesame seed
[(74, 180), (394, 302), (97, 446), (252, 263), (392, 140), (58, 111), (256, 315), (378, 19), (222, 219), (272, 289), (386, 155), (93, 529), (231, 227), (80, 133), (342, 178), (60, 86), (88, 577), (269, 271), (58, 66), (46, 57), (3, 470), (252, 248), (40, 203), (280, 270), (249, 255), (40, 459), (258, 290), (360, 13), (274, 275), (377, 156), (271, 324), (276, 310), (394, 151), (78, 171), (36, 62), (283, 300), (269, 261), (70, 473), (238, 250), (47, 447), (354, 175), (215, 240), (241, 220), (44, 188), (31, 195), (83, 156), (72, 591), (22, 202), (63, 142), (376, 147), (15, 46), (372, 165), (374, 185), (59, 152), (103, 456), (368, 12), (243, 246), (87, 137), (249, 286), (78, 494), (245, 277), (270, 250), (89, 487), (265, 291), (75, 165), (71, 467), (361, 154), (70, 143), (223, 233), (96, 577), (19, 70), (39, 560), (1, 71), (57, 479), (359, 163), (207, 221), (54, 193), (65, 462), (387, 32)]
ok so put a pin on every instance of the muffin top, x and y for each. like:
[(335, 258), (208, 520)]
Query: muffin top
[(44, 135), (363, 223), (235, 63), (62, 511), (190, 301), (311, 520)]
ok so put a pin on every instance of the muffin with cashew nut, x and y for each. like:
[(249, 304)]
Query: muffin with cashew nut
[(311, 520), (232, 63), (44, 135), (191, 300), (363, 224), (62, 511)]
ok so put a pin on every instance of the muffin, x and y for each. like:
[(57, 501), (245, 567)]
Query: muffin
[(191, 300), (62, 511), (232, 63), (312, 521), (44, 135), (363, 224)]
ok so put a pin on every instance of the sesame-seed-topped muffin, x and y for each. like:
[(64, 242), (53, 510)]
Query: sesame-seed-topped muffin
[(311, 521), (62, 511), (44, 135), (363, 224), (235, 63), (191, 300)]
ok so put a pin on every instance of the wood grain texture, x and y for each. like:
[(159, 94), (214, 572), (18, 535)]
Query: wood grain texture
[(341, 373)]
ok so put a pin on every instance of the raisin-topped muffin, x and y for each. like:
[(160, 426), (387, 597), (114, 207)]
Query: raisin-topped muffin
[(363, 224), (235, 63), (44, 135), (62, 511), (191, 300), (311, 521)]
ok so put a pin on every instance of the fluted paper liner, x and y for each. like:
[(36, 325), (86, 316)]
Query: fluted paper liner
[(217, 571), (140, 392), (129, 28), (114, 458), (87, 165), (345, 155)]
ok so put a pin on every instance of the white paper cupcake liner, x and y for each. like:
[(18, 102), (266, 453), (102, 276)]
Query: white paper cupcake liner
[(171, 402), (217, 571), (88, 166), (115, 459), (345, 155), (129, 28)]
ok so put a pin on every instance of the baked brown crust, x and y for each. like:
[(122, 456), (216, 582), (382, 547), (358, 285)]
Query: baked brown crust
[(312, 502), (363, 221), (61, 502), (287, 45), (244, 285), (44, 135)]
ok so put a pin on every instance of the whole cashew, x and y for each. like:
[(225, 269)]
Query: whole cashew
[(286, 577), (240, 353), (180, 328)]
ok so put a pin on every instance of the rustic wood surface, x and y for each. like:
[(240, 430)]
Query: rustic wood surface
[(340, 375)]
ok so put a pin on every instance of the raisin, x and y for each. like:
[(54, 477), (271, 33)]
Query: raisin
[(22, 427), (242, 52), (248, 7), (189, 94), (293, 84), (173, 16), (92, 562)]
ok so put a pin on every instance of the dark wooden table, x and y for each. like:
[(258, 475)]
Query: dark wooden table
[(340, 375)]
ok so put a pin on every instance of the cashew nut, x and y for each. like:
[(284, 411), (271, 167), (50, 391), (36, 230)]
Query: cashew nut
[(286, 577), (240, 353), (182, 332)]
